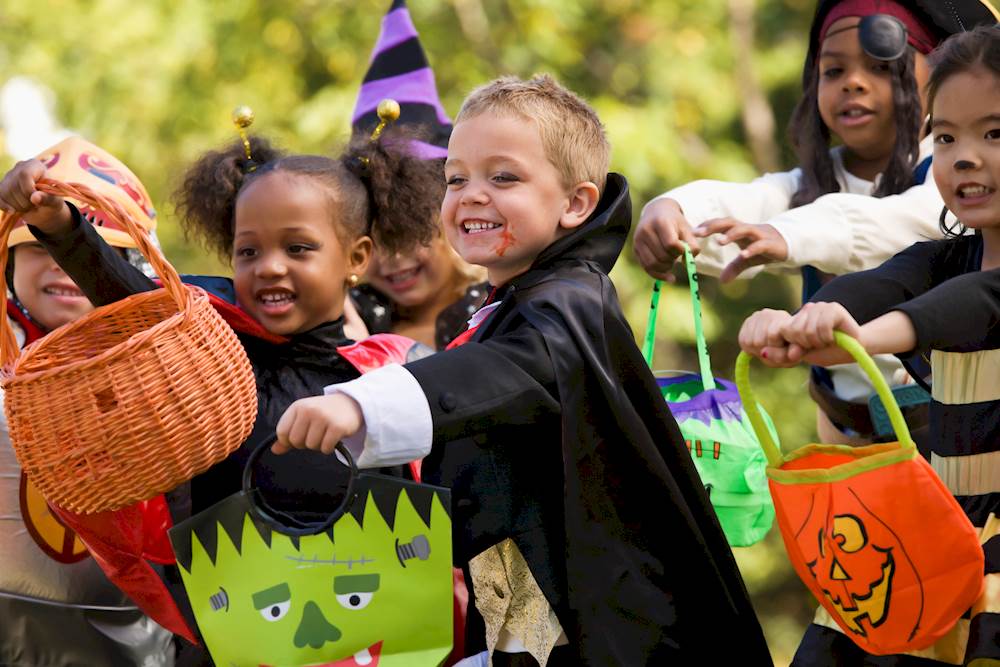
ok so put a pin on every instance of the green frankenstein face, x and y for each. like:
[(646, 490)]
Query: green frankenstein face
[(375, 590)]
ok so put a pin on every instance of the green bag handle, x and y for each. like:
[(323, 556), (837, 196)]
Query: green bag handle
[(704, 362), (867, 364)]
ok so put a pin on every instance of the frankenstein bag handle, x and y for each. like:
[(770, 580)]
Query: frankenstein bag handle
[(282, 521), (704, 362), (867, 364)]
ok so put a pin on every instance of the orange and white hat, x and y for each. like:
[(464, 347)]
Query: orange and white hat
[(76, 160)]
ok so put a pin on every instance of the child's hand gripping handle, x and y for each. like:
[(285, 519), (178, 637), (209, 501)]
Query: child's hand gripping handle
[(649, 342), (285, 523), (867, 364), (166, 273)]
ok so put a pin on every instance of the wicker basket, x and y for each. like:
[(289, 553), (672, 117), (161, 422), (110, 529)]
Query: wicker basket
[(130, 400)]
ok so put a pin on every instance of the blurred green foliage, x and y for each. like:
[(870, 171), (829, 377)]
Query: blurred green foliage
[(154, 83)]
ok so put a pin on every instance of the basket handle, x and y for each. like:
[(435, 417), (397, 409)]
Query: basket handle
[(704, 362), (867, 364), (283, 522), (169, 277)]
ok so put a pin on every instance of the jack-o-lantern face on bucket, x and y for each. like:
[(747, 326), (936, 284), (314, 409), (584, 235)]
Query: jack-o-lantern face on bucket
[(854, 573), (855, 564)]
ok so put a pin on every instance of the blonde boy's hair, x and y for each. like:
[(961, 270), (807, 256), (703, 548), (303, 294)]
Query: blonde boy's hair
[(571, 132)]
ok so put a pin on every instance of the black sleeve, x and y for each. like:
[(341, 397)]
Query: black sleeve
[(870, 294), (506, 380), (99, 270), (960, 314)]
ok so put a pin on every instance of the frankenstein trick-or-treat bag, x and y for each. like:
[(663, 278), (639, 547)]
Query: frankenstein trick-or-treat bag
[(372, 585), (718, 433), (872, 531)]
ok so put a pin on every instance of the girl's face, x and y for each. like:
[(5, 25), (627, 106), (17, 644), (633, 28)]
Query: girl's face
[(854, 93), (48, 294), (417, 277), (966, 127), (291, 269)]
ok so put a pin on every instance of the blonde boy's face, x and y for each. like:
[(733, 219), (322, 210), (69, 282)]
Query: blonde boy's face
[(505, 201)]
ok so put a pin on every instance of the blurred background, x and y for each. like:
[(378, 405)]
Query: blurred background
[(687, 88)]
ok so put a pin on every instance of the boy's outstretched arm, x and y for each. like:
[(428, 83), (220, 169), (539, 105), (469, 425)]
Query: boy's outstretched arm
[(504, 381)]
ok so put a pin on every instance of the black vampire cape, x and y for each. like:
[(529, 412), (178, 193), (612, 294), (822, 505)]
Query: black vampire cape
[(613, 522)]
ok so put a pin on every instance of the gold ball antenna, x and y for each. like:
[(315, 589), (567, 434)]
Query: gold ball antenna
[(388, 112), (243, 118)]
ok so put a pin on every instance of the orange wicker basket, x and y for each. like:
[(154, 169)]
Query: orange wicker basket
[(130, 400)]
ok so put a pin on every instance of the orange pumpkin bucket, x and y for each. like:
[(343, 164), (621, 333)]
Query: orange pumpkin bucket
[(871, 530), (130, 400)]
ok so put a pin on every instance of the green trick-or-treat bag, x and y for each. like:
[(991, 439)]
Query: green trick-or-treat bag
[(718, 433), (371, 585)]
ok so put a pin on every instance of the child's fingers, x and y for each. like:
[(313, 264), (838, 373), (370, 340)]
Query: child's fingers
[(777, 357), (772, 335), (750, 339), (329, 442), (45, 200), (792, 330), (687, 236), (19, 194), (794, 353), (813, 333), (284, 428), (761, 251), (666, 245), (733, 270), (717, 226), (654, 267), (316, 433)]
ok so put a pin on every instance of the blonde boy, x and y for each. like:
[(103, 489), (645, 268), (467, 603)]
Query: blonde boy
[(578, 517)]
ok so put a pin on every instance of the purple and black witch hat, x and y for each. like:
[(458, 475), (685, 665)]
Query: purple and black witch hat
[(399, 70)]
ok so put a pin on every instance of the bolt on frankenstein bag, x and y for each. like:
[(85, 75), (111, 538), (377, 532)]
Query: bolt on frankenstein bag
[(872, 531), (718, 432), (371, 585)]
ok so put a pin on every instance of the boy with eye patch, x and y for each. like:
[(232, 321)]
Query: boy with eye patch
[(578, 516)]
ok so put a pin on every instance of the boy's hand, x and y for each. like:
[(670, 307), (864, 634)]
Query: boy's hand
[(660, 237), (761, 336), (318, 423), (18, 195), (810, 334), (761, 244)]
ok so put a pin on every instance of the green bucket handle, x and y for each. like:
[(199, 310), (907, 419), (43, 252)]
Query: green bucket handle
[(867, 364), (704, 362)]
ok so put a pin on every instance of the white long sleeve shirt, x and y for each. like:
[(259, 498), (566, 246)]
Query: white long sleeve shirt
[(839, 233)]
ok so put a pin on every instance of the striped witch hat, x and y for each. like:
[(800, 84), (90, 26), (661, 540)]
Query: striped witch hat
[(399, 70)]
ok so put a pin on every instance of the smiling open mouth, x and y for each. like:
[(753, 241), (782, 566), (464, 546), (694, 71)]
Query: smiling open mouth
[(364, 658), (63, 291), (402, 277), (478, 227), (275, 301), (974, 191)]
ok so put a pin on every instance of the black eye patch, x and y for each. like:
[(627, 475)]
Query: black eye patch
[(882, 37)]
